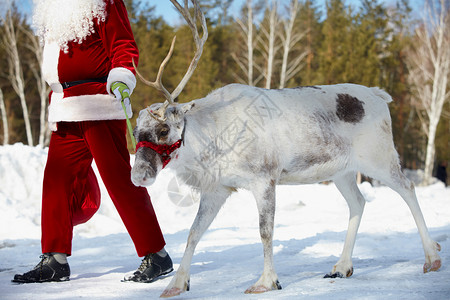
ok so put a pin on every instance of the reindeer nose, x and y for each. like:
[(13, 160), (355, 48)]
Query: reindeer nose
[(142, 180), (142, 176)]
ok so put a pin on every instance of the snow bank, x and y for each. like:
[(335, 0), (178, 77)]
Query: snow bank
[(311, 221)]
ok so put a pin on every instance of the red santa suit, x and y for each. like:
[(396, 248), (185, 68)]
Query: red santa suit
[(88, 124)]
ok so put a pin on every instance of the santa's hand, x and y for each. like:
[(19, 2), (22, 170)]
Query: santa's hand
[(121, 91)]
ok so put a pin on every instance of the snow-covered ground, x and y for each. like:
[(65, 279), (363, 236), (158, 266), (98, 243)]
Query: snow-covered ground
[(311, 222)]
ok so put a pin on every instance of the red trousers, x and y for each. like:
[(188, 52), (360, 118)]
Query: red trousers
[(71, 194)]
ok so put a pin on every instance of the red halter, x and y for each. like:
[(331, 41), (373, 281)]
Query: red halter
[(163, 150)]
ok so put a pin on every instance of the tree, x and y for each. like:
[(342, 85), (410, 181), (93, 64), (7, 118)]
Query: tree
[(369, 34), (4, 120), (335, 49), (290, 36), (308, 21), (394, 73), (42, 87), (429, 63), (269, 28), (217, 10), (15, 71), (203, 79), (222, 38), (245, 58)]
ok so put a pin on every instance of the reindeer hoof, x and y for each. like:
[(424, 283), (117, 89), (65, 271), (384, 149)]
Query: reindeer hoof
[(339, 274), (334, 275), (432, 267), (171, 293), (262, 289)]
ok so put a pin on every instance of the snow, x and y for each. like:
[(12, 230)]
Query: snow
[(311, 223)]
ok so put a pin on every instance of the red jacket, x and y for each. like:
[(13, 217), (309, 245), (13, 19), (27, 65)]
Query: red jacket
[(106, 52)]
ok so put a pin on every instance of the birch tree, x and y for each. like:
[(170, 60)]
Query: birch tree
[(289, 38), (42, 87), (4, 120), (269, 29), (15, 72), (429, 63), (245, 61)]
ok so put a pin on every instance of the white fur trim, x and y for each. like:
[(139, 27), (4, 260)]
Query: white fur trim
[(85, 108), (50, 63), (123, 75)]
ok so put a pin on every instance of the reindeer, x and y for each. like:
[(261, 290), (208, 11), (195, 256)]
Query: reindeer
[(252, 138)]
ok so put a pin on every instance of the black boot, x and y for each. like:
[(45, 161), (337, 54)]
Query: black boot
[(151, 268), (49, 269)]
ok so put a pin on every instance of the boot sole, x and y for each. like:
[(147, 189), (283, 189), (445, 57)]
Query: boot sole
[(22, 281), (151, 280)]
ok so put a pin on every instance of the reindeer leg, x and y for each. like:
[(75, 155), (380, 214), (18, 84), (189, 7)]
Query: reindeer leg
[(382, 163), (265, 199), (355, 200), (397, 181), (210, 205)]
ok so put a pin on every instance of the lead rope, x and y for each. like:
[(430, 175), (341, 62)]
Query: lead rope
[(130, 129)]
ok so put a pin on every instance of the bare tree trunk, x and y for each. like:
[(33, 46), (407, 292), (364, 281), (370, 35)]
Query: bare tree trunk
[(269, 46), (42, 86), (289, 39), (4, 120), (246, 64), (250, 42), (430, 71), (15, 70)]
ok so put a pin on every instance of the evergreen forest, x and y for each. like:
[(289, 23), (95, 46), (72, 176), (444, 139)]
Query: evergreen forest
[(269, 44)]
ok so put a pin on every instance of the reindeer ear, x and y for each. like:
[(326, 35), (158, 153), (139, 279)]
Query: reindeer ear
[(141, 114), (187, 107), (179, 110)]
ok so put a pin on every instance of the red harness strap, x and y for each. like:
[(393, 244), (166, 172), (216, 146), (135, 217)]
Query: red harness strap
[(163, 150)]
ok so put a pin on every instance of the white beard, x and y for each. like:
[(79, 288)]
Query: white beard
[(63, 21)]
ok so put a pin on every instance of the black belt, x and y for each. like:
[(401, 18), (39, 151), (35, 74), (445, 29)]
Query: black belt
[(67, 85)]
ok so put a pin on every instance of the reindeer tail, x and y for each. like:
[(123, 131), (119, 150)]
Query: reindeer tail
[(381, 94)]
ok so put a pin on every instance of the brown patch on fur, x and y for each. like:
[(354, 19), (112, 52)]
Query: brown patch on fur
[(269, 167), (304, 162), (386, 127), (349, 109), (323, 144), (266, 214)]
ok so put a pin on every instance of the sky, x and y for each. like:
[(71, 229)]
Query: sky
[(166, 9)]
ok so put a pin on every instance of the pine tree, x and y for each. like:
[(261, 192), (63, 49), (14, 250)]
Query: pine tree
[(308, 21), (334, 51), (395, 81), (370, 34)]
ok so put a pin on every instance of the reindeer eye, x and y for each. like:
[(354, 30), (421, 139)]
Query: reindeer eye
[(163, 131)]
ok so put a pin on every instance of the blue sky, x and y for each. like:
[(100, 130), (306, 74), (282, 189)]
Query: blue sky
[(165, 8)]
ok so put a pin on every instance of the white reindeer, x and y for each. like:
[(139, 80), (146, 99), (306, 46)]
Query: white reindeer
[(246, 137)]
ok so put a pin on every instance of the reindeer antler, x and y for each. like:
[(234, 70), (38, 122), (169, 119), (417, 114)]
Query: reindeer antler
[(199, 42), (157, 84)]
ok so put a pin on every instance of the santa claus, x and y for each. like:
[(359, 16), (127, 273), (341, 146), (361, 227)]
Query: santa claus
[(88, 53)]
